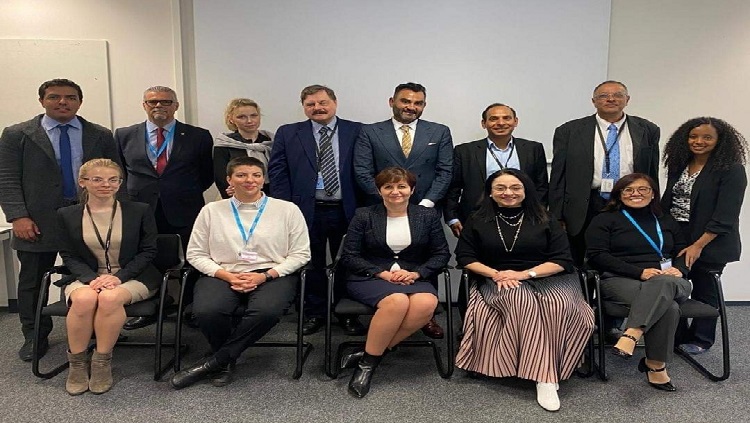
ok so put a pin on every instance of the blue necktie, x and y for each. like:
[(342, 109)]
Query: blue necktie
[(66, 163), (614, 157)]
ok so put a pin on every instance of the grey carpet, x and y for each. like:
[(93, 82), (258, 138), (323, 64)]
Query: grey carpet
[(405, 388)]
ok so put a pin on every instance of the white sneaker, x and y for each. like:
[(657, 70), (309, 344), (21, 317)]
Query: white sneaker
[(546, 396)]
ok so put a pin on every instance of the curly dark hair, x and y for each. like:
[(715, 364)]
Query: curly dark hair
[(731, 146)]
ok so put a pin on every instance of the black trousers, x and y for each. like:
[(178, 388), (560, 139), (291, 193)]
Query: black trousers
[(216, 307), (164, 227), (33, 267), (329, 227)]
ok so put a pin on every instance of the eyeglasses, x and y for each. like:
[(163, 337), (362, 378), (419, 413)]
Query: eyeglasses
[(100, 181), (617, 96), (502, 188), (641, 190), (154, 103)]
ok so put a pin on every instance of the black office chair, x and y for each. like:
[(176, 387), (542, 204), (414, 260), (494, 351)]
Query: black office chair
[(169, 260), (689, 309), (347, 306), (303, 349)]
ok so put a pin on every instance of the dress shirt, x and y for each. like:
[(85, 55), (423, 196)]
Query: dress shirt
[(76, 140), (508, 155), (151, 136), (626, 150), (400, 136), (320, 193)]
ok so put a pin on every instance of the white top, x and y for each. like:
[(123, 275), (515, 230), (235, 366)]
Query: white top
[(280, 239), (397, 235), (626, 150)]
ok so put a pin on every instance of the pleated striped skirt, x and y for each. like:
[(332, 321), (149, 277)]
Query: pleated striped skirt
[(537, 331)]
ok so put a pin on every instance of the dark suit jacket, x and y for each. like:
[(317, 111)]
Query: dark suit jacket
[(293, 166), (31, 178), (431, 158), (189, 171), (715, 203), (470, 171), (573, 165), (366, 252), (137, 250)]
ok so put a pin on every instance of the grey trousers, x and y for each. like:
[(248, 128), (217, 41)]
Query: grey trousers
[(654, 307)]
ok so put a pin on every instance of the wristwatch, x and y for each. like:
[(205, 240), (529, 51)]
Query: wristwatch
[(532, 274), (268, 276)]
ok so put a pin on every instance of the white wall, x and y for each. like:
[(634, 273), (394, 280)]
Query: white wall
[(682, 59)]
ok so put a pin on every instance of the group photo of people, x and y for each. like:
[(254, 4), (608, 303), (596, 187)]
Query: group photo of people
[(388, 199)]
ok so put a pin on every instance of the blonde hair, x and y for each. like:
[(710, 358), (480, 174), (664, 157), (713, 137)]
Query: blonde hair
[(91, 164), (233, 105)]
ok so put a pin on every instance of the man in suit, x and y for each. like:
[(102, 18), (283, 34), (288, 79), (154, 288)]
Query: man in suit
[(39, 162), (168, 165), (311, 166), (473, 162), (589, 155), (425, 148)]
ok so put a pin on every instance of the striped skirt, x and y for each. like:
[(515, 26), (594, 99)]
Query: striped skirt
[(537, 331)]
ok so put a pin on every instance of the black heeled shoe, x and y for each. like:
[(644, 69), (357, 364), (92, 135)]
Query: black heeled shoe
[(359, 385), (624, 354), (643, 368), (350, 361)]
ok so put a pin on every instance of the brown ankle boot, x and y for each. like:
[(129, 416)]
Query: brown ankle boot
[(78, 373), (101, 373)]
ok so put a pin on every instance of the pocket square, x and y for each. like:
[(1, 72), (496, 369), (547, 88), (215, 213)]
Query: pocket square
[(431, 143)]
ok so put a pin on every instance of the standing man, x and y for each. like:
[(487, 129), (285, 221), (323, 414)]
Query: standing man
[(168, 164), (39, 162), (425, 148), (311, 166), (475, 161)]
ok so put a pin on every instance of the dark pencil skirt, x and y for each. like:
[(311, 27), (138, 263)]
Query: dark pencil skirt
[(371, 291)]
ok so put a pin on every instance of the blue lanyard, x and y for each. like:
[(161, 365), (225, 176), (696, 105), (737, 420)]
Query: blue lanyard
[(165, 144), (648, 238), (246, 236)]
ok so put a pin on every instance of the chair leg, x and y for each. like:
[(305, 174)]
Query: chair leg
[(330, 370)]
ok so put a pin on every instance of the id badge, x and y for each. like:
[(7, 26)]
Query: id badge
[(607, 184), (248, 256), (666, 264)]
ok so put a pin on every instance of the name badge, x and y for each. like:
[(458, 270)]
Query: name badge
[(666, 264), (320, 184), (607, 184), (248, 256)]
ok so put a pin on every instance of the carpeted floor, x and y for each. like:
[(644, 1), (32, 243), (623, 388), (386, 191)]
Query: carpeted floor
[(406, 388)]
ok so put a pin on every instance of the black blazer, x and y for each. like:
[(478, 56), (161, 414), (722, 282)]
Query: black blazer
[(715, 203), (189, 171), (470, 170), (366, 252), (137, 250), (573, 165)]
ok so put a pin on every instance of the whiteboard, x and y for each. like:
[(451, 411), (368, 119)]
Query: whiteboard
[(25, 64)]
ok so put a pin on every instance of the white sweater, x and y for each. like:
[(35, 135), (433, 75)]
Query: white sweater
[(280, 239)]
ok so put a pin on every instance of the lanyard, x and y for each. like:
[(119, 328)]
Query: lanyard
[(246, 236), (103, 243), (164, 145), (512, 147), (604, 143), (645, 235)]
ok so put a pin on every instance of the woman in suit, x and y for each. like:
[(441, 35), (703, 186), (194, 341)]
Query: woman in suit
[(527, 317), (391, 252), (108, 245), (706, 182), (635, 246), (242, 117)]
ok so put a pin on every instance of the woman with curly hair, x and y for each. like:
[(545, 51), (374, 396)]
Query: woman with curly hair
[(705, 160)]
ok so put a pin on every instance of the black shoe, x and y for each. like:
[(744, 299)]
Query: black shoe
[(352, 326), (359, 385), (622, 353), (199, 371), (139, 322), (350, 361), (26, 353), (643, 368), (223, 376), (312, 325)]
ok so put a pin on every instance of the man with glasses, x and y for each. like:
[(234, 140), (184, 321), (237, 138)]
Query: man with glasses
[(168, 165), (39, 163), (590, 154)]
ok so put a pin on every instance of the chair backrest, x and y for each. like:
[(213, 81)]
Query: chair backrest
[(169, 252)]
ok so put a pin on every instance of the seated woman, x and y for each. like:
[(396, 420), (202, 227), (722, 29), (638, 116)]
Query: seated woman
[(108, 245), (248, 248), (391, 251), (633, 244), (242, 117), (526, 316)]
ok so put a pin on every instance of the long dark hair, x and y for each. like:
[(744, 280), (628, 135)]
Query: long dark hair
[(531, 205), (615, 202), (731, 146)]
